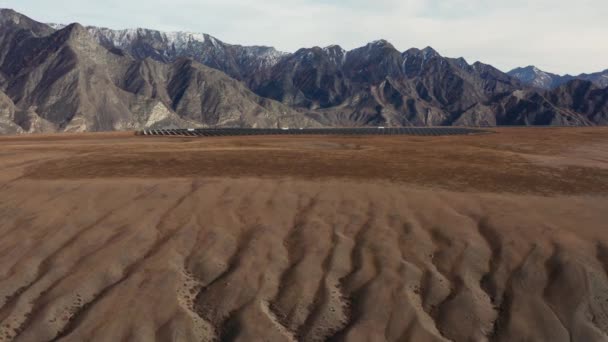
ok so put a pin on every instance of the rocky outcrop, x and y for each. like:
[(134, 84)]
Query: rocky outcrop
[(7, 116)]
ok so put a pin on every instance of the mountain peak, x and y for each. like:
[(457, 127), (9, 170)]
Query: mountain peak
[(334, 50), (461, 63), (428, 52), (412, 51), (75, 27), (11, 18), (56, 26), (531, 75), (333, 47), (380, 43), (74, 30), (529, 69), (8, 13), (83, 43)]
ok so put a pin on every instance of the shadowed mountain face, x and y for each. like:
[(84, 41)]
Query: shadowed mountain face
[(377, 85), (583, 97), (71, 78)]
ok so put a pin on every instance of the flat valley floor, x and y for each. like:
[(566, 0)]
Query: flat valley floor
[(491, 237)]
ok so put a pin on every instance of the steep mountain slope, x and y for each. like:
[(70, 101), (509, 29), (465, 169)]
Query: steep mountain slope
[(583, 97), (534, 108), (16, 31), (14, 120), (15, 27), (77, 85), (576, 103), (7, 116), (535, 77), (13, 22), (201, 94)]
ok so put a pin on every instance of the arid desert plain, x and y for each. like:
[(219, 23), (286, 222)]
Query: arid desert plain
[(491, 237)]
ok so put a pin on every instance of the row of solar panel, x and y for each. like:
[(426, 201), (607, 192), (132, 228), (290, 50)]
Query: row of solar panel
[(209, 132)]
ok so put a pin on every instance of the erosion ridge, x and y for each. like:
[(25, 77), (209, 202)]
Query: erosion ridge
[(178, 247), (296, 268)]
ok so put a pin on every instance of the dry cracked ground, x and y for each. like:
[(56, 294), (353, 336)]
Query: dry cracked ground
[(494, 237)]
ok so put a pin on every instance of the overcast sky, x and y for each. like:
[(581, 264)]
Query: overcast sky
[(561, 36)]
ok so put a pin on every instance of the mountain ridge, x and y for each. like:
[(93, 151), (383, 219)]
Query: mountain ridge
[(536, 77), (86, 78), (181, 37), (76, 84)]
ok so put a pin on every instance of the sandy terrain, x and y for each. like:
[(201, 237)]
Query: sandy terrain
[(111, 237)]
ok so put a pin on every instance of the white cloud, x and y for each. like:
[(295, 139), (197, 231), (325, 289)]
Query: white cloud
[(556, 35)]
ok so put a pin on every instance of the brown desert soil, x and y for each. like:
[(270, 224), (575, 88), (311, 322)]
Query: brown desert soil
[(493, 237)]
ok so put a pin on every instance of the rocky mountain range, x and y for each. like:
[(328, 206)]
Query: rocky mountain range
[(535, 77), (75, 78), (67, 81)]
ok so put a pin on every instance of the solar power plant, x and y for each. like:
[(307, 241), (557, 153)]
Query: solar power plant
[(216, 132)]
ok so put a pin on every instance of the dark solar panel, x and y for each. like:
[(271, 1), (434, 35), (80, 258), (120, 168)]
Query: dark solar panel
[(213, 132)]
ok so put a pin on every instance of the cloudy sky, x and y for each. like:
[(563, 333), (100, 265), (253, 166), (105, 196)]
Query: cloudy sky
[(561, 36)]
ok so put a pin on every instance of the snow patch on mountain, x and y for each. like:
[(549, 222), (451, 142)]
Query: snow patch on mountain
[(535, 77), (168, 46), (56, 26), (336, 54), (124, 38)]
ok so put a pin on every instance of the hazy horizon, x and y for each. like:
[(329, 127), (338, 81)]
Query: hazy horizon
[(555, 36)]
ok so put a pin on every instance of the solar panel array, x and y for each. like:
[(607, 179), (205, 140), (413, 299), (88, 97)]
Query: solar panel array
[(213, 132)]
